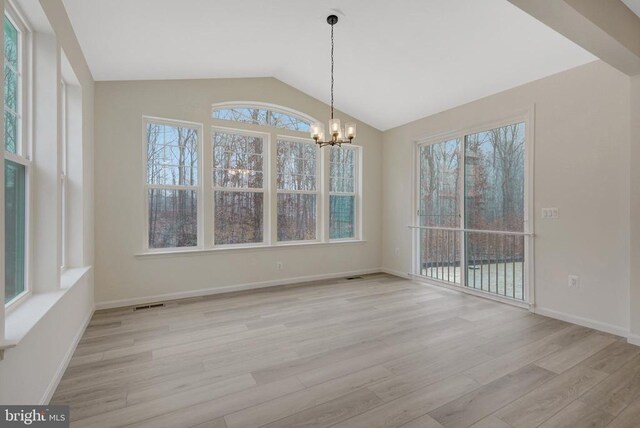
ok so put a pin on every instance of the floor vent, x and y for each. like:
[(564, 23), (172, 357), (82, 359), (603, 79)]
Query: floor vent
[(349, 278), (155, 305)]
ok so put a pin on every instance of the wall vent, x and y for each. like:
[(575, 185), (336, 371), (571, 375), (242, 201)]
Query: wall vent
[(349, 278), (155, 305)]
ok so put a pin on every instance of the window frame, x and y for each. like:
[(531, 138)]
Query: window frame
[(266, 185), (23, 139), (64, 195), (317, 192), (198, 188), (357, 194)]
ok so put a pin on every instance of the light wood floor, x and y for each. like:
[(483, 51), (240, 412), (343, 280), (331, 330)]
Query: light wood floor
[(375, 352)]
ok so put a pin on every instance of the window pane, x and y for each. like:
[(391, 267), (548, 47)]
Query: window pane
[(296, 165), (262, 116), (342, 216), (439, 184), (173, 218), (238, 217), (255, 116), (14, 229), (237, 161), (494, 178), (10, 132), (296, 217), (287, 121), (10, 89), (342, 170), (10, 86), (172, 154), (10, 43)]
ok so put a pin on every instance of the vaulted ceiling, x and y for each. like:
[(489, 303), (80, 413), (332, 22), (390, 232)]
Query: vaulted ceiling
[(395, 61)]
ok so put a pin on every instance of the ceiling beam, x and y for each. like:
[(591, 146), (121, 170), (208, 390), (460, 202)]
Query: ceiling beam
[(606, 28)]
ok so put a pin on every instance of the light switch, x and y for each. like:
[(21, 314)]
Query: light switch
[(550, 213)]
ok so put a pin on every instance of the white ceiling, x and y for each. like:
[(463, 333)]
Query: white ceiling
[(634, 5), (395, 61)]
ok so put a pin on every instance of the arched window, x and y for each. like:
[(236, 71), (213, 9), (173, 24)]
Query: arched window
[(262, 114)]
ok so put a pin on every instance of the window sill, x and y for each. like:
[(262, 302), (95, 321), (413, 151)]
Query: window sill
[(28, 314), (249, 248), (70, 277)]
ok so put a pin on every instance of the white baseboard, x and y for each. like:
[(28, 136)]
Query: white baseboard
[(51, 389), (585, 322), (395, 273), (633, 339), (227, 289)]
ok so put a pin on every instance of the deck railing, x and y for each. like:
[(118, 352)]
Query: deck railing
[(492, 262)]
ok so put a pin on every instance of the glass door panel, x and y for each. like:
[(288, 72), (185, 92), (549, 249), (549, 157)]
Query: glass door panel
[(494, 188), (439, 207)]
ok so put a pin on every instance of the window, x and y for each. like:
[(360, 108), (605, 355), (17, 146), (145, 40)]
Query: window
[(269, 185), (16, 164), (172, 184), (297, 190), (472, 201), (259, 115), (239, 185), (342, 192)]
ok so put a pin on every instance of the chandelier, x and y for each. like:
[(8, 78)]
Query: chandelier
[(337, 135)]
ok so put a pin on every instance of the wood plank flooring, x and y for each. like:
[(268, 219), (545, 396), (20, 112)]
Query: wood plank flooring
[(379, 351)]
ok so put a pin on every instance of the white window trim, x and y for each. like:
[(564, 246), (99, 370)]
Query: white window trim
[(199, 197), (317, 192), (526, 115), (23, 140), (64, 196)]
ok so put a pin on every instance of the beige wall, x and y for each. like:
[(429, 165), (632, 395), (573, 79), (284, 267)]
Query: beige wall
[(634, 160), (581, 167), (120, 228)]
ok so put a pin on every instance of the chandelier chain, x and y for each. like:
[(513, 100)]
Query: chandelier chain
[(332, 47)]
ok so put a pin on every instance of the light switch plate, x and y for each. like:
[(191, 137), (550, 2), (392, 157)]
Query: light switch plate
[(550, 213)]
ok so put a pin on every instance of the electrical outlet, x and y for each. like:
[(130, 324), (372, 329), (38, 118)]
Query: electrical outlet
[(279, 265), (574, 281), (550, 213)]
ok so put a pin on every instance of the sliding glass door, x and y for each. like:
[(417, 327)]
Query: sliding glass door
[(471, 197)]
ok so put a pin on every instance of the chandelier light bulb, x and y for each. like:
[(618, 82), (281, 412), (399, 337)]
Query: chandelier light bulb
[(334, 126), (315, 130), (350, 129)]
